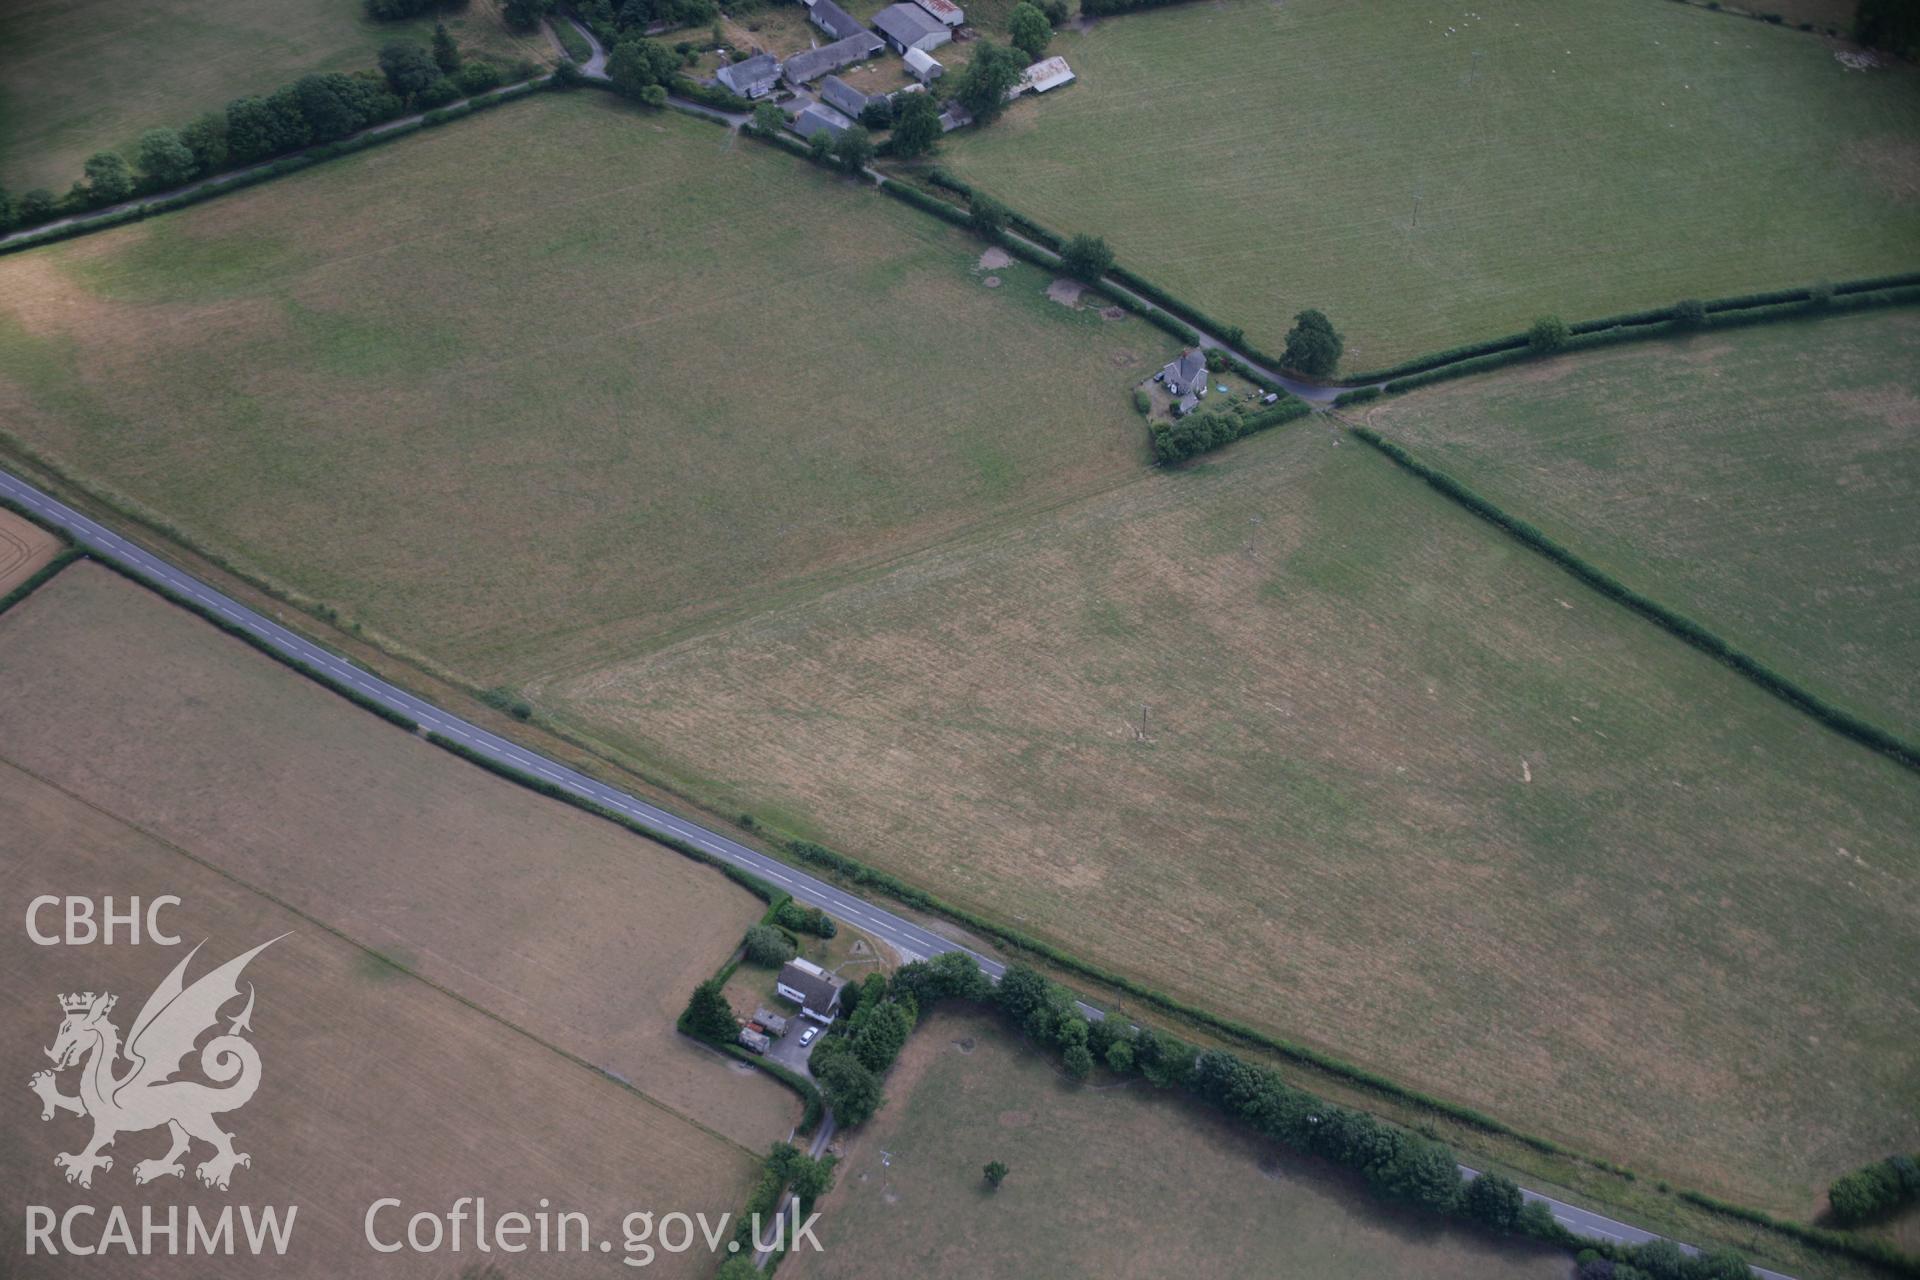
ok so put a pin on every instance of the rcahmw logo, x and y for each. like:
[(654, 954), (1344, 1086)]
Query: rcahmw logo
[(133, 1086)]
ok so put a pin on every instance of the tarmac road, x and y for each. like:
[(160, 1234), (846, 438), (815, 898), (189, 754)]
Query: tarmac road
[(911, 940)]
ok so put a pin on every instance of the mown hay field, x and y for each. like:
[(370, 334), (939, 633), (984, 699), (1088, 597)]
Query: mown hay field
[(373, 1084), (576, 930), (1407, 792), (80, 76), (1586, 159), (1104, 1181), (1761, 481), (571, 375), (24, 549)]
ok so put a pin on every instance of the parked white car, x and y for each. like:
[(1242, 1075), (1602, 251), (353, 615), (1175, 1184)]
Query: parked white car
[(806, 1037)]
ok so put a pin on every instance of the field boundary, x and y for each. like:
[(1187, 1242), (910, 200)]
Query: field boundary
[(293, 162), (1897, 749), (67, 554), (1751, 308)]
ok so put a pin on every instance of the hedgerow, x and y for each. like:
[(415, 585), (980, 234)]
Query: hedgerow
[(1877, 1190), (1790, 301), (225, 183), (232, 628), (38, 578), (493, 764), (1843, 722)]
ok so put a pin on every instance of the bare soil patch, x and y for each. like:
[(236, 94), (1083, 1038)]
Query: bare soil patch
[(1066, 292), (994, 259), (24, 548)]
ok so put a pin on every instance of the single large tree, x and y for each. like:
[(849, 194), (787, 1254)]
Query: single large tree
[(328, 104), (638, 64), (854, 149), (164, 160), (995, 1173), (525, 15), (810, 1178), (446, 54), (916, 126), (1029, 30), (768, 946), (1086, 258), (851, 1090), (983, 86), (1313, 348), (768, 119), (708, 1015), (407, 67), (108, 178), (1494, 1201), (988, 218), (207, 139)]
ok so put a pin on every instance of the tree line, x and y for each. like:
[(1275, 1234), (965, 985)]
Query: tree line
[(1396, 1163), (314, 109)]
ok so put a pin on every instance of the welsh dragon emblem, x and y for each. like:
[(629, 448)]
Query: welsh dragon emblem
[(145, 1095)]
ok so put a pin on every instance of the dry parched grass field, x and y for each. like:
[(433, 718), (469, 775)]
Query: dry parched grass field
[(1582, 159), (580, 932), (1105, 1181), (1763, 481), (80, 76), (372, 1084), (1408, 793), (537, 389)]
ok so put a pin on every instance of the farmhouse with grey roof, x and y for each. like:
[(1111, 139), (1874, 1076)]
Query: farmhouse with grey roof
[(834, 20), (843, 97), (811, 64), (1185, 372), (753, 78), (816, 991), (818, 117), (908, 26)]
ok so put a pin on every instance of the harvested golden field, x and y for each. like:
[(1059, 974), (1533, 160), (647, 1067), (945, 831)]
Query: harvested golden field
[(658, 374), (576, 930), (1407, 792), (1761, 481), (24, 549), (372, 1084), (1105, 1181)]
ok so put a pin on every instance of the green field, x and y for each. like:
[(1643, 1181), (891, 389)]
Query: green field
[(539, 388), (1259, 158), (1107, 1182), (1763, 482), (80, 76), (1408, 793), (744, 473)]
